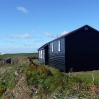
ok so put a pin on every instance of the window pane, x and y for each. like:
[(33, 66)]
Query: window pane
[(41, 53), (58, 45), (52, 47)]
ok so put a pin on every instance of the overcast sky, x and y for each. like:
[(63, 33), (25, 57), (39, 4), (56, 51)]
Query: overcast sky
[(25, 25)]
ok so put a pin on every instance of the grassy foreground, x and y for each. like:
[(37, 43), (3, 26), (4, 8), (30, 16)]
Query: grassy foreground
[(27, 81)]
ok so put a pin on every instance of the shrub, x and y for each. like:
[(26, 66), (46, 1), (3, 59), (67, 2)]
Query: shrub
[(2, 90), (36, 74)]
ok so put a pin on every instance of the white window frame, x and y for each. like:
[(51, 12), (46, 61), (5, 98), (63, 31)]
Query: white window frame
[(41, 54), (52, 47), (59, 45)]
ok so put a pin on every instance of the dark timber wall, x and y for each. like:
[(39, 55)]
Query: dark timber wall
[(46, 55), (82, 50), (79, 50), (57, 58)]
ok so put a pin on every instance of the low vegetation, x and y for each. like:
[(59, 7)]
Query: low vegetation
[(33, 80)]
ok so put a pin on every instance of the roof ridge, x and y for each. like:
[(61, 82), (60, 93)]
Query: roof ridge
[(78, 29)]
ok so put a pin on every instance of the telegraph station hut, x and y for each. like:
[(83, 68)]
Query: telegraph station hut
[(76, 51)]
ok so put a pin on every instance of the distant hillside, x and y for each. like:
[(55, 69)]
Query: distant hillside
[(18, 55)]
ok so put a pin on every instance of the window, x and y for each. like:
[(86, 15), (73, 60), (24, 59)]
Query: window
[(41, 54), (52, 47), (59, 46)]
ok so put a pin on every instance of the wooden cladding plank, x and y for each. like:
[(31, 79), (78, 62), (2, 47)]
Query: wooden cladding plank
[(57, 58)]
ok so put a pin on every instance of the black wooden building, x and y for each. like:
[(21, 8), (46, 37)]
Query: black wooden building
[(77, 50)]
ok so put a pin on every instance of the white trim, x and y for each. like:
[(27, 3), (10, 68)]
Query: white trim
[(41, 54), (59, 45), (52, 47)]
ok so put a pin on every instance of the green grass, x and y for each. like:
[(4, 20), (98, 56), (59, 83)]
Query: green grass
[(8, 79), (18, 55), (87, 77), (45, 82), (64, 85)]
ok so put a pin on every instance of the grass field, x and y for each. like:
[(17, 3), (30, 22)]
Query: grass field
[(27, 81), (18, 55)]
